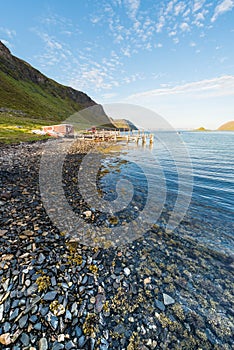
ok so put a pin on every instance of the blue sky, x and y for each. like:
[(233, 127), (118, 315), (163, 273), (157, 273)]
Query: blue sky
[(174, 57)]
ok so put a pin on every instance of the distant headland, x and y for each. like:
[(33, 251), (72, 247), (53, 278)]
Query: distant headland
[(229, 126)]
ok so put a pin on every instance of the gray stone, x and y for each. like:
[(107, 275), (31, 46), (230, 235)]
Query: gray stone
[(68, 315), (85, 279), (53, 281), (104, 344), (74, 308), (31, 290), (211, 337), (119, 328), (78, 331), (41, 258), (53, 320), (81, 341), (159, 305), (37, 326), (15, 303), (70, 345), (43, 344), (25, 339), (14, 314), (33, 319), (57, 346), (22, 321), (50, 296), (6, 327), (167, 299)]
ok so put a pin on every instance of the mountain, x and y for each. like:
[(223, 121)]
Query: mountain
[(229, 126), (26, 91), (124, 124)]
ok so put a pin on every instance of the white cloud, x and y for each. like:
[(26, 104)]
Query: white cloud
[(179, 8), (8, 32), (132, 7), (223, 7), (173, 33), (219, 86), (169, 7), (197, 5), (206, 102), (184, 27), (160, 24)]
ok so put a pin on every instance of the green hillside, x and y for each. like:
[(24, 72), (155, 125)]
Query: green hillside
[(29, 99)]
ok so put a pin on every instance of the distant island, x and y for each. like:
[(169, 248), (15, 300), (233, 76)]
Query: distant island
[(229, 126), (201, 129)]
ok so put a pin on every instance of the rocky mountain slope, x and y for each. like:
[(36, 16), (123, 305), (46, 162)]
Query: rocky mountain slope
[(26, 91)]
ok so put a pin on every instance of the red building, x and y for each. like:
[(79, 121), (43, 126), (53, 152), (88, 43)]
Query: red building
[(59, 130)]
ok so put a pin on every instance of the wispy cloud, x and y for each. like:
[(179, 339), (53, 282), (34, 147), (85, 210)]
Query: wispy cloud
[(223, 7), (218, 86), (10, 33)]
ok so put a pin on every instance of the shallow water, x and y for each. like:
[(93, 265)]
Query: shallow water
[(194, 168)]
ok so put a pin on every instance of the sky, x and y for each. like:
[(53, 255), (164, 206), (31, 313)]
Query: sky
[(174, 57)]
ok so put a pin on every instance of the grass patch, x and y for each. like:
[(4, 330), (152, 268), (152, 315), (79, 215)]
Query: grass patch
[(15, 129)]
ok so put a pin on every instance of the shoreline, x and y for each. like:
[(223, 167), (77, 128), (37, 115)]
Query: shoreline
[(159, 292)]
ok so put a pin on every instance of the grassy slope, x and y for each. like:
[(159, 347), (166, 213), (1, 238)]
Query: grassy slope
[(32, 99), (14, 129)]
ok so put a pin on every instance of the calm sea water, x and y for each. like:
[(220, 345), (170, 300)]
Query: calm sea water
[(209, 216)]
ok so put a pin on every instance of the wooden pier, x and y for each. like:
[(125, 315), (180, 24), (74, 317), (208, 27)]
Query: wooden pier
[(115, 135)]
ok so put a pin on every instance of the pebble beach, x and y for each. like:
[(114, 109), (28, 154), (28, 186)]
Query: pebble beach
[(161, 291)]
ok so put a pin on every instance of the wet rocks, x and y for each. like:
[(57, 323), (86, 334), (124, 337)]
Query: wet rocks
[(160, 291)]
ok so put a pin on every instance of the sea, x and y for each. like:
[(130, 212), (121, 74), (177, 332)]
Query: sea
[(184, 181)]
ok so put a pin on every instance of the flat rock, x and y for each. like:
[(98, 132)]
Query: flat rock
[(25, 339), (50, 296), (43, 344), (22, 321), (127, 271), (167, 299), (159, 305)]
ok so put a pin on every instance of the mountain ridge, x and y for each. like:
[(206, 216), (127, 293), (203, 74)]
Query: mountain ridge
[(23, 87)]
